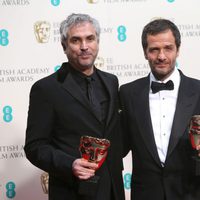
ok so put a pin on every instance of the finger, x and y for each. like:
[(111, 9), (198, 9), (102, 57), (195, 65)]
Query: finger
[(90, 165), (87, 167), (198, 146), (85, 175), (81, 169)]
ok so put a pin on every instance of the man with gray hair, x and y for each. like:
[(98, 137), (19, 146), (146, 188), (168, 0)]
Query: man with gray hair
[(77, 103)]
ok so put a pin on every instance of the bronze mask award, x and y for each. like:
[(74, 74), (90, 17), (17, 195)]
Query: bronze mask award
[(194, 131), (93, 150)]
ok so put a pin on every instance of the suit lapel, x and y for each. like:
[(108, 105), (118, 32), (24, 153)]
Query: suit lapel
[(144, 119), (70, 85), (186, 101), (110, 87), (73, 88)]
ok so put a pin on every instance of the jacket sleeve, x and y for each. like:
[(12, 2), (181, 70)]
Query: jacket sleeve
[(38, 148), (123, 122)]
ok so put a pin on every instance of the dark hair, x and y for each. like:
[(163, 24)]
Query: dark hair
[(157, 26)]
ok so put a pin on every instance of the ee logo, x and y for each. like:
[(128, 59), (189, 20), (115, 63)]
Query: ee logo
[(10, 190), (4, 37), (7, 114), (55, 2), (121, 33), (127, 181), (57, 68)]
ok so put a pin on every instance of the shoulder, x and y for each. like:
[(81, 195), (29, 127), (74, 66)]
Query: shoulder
[(45, 81), (190, 82), (55, 78), (135, 85), (107, 76)]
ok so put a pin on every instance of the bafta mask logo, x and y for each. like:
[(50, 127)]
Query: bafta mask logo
[(42, 31), (99, 63), (45, 182), (94, 149), (92, 1), (194, 131)]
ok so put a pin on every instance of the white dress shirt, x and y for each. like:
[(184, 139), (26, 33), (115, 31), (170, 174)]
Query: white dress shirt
[(162, 108)]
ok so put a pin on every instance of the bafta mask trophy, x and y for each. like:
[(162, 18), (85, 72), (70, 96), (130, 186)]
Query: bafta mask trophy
[(45, 182), (93, 150), (194, 131)]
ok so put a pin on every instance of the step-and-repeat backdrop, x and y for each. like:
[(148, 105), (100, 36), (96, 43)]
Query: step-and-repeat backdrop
[(26, 56)]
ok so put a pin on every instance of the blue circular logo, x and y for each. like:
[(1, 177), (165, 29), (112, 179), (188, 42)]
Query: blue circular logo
[(127, 181), (170, 1), (55, 2), (4, 37), (7, 114), (10, 190), (121, 33), (177, 65), (57, 68)]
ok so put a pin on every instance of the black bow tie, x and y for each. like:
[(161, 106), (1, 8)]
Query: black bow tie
[(156, 87)]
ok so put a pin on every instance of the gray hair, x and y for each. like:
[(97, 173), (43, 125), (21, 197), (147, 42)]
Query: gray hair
[(75, 19)]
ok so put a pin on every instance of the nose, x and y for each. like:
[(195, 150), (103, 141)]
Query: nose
[(84, 45), (161, 55), (93, 156)]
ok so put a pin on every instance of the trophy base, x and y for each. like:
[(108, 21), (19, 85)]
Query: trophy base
[(89, 187), (197, 165), (196, 156)]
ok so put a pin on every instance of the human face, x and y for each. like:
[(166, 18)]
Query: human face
[(82, 47), (161, 53)]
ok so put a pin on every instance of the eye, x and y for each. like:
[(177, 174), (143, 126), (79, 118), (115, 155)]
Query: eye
[(153, 50), (74, 40), (169, 48), (87, 144), (91, 38), (102, 152)]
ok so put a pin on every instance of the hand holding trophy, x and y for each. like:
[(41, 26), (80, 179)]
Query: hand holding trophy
[(194, 133), (93, 150)]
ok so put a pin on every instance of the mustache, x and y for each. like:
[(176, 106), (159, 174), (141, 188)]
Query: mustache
[(84, 53), (161, 62)]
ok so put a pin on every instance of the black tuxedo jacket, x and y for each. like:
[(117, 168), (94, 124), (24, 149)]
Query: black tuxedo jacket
[(59, 114), (179, 179)]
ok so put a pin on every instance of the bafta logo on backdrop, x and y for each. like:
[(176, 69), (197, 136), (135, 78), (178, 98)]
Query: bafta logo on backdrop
[(42, 31), (45, 182), (92, 1), (99, 63)]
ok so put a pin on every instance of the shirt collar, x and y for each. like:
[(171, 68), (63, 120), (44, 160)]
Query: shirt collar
[(175, 77)]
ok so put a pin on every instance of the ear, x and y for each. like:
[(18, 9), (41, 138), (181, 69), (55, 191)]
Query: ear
[(63, 45), (145, 55), (178, 52)]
